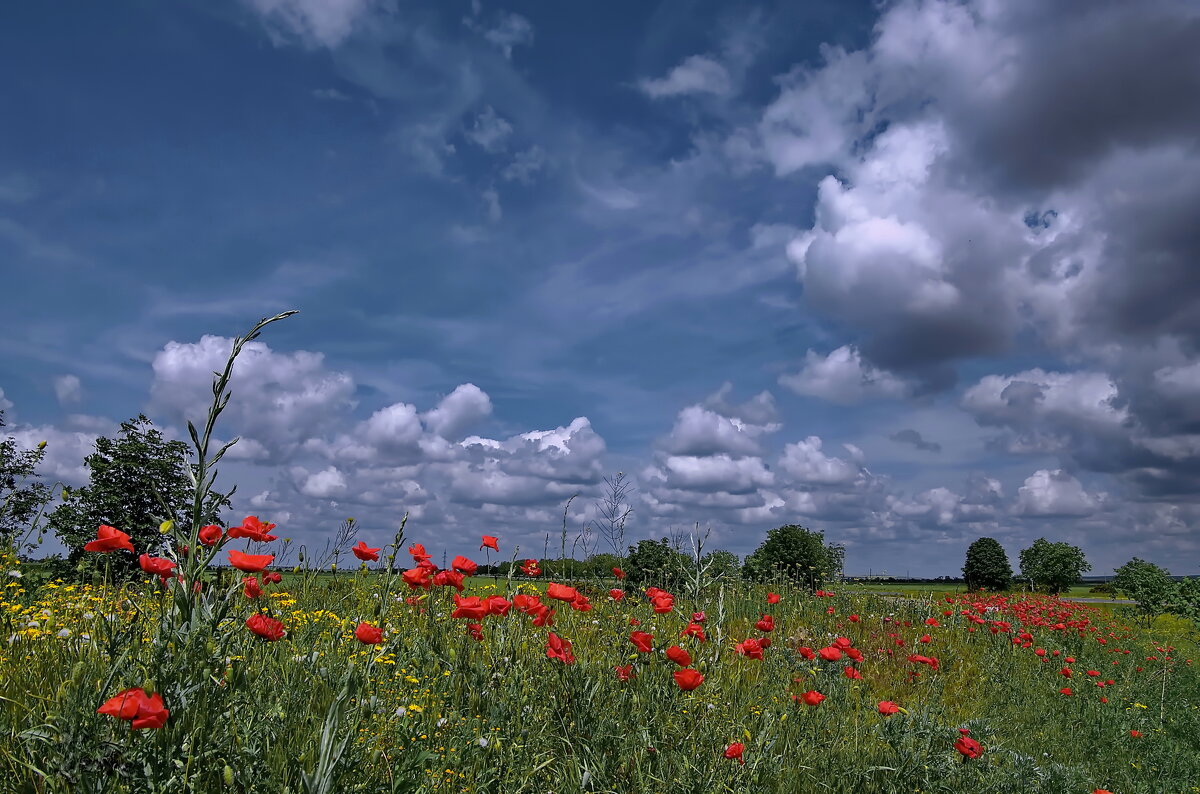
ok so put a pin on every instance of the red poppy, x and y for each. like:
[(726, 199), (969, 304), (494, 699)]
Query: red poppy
[(1136, 734), (642, 641), (734, 751), (887, 708), (854, 618), (766, 623), (750, 648), (1066, 691), (461, 563), (416, 577), (688, 679), (830, 653), (250, 563), (931, 622), (266, 627), (617, 572), (842, 642), (497, 605), (698, 617), (810, 698), (852, 673), (250, 587), (273, 577), (855, 654), (615, 594), (968, 747), (774, 598), (135, 706), (253, 529), (1065, 672), (624, 673), (210, 534), (679, 656), (530, 568), (489, 542), (560, 592), (558, 648), (368, 634), (664, 604), (364, 553), (159, 566), (471, 607), (581, 604), (543, 616), (417, 550), (806, 652), (109, 539), (525, 603), (475, 630), (694, 630), (448, 579)]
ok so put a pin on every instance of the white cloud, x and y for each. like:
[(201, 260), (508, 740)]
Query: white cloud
[(806, 463), (324, 484), (716, 473), (1047, 494), (489, 131), (524, 166), (843, 377), (697, 74), (316, 23), (458, 410), (67, 389), (5, 404), (698, 431)]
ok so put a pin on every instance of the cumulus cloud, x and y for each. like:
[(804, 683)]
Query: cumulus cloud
[(5, 404), (697, 74), (324, 484), (458, 410), (806, 463), (281, 399), (843, 377), (1050, 494)]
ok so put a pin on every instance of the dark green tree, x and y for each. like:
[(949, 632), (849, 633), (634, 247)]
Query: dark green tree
[(794, 552), (137, 481), (22, 496), (655, 562), (721, 564), (1147, 584), (986, 567), (1053, 567)]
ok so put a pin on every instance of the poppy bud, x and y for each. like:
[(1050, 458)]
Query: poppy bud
[(165, 527), (42, 445), (227, 775)]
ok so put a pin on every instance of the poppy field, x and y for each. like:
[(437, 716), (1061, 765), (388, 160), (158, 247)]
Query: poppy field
[(225, 667)]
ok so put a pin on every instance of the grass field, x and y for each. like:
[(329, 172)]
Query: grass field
[(516, 703)]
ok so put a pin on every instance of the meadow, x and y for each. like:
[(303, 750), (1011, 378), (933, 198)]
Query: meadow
[(400, 677)]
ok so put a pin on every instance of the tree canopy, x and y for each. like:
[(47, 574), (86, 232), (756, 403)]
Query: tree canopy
[(1053, 567), (987, 566), (22, 495), (795, 552), (136, 481), (1147, 584)]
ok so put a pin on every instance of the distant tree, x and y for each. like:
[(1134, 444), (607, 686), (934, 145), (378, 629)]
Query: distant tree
[(655, 562), (1147, 584), (987, 566), (722, 564), (136, 481), (1053, 567), (601, 565), (21, 495), (794, 552), (1185, 600)]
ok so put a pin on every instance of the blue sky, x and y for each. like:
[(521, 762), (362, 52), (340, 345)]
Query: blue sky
[(909, 273)]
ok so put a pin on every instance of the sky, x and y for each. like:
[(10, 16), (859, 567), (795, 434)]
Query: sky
[(907, 273)]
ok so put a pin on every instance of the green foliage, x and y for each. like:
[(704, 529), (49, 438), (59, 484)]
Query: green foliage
[(1053, 567), (22, 497), (796, 553), (987, 566), (721, 564), (1184, 600), (1147, 584), (655, 562), (137, 481)]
